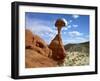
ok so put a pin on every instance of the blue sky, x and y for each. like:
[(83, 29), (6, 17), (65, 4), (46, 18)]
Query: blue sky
[(43, 24)]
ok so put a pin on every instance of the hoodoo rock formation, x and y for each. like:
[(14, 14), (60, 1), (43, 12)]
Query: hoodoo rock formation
[(56, 45), (58, 51)]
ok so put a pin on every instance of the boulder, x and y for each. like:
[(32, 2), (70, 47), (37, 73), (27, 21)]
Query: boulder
[(36, 43), (37, 53), (35, 60)]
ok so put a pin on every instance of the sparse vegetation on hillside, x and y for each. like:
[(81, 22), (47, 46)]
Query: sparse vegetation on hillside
[(77, 54)]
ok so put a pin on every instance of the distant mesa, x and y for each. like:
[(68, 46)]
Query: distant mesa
[(80, 47)]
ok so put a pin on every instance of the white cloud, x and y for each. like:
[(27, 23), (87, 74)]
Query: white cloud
[(75, 40), (69, 26), (75, 25), (42, 34), (64, 32), (65, 28), (70, 21), (80, 38), (41, 28), (75, 16), (66, 22), (87, 36), (75, 33)]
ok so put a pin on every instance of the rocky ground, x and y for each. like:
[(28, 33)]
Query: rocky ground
[(34, 60), (77, 54), (76, 59)]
